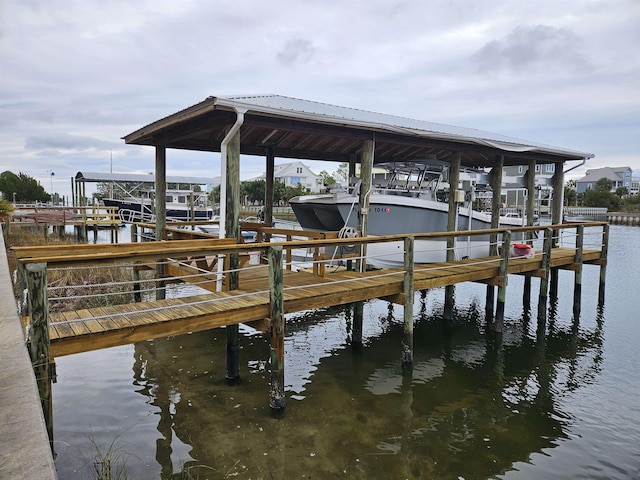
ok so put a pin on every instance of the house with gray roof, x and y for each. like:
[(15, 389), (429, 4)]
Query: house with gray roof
[(619, 176)]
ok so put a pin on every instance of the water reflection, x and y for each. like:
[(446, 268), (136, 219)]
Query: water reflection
[(473, 405)]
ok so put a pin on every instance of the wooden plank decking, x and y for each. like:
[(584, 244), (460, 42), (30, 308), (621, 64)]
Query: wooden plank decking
[(95, 328)]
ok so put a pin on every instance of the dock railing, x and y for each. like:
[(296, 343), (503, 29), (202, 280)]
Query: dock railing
[(199, 255)]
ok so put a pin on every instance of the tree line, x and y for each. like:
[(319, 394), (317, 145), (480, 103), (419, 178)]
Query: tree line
[(22, 188), (602, 196)]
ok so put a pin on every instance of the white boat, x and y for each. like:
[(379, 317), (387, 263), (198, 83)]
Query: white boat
[(412, 201), (179, 205)]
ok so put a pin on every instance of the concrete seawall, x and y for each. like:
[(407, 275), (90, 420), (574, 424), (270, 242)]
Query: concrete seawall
[(24, 444)]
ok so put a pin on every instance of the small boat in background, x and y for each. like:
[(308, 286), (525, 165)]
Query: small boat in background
[(182, 205)]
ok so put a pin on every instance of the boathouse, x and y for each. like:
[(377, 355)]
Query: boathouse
[(278, 126)]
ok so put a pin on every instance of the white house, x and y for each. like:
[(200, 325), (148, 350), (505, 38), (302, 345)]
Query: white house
[(295, 173)]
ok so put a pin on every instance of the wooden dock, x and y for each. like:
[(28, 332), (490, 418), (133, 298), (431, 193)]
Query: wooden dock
[(94, 328)]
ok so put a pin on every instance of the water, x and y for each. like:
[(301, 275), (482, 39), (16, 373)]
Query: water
[(563, 407)]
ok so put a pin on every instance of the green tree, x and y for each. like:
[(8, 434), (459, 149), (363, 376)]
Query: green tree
[(622, 192), (327, 178), (25, 188), (570, 193), (603, 184), (595, 197), (279, 189), (254, 190), (6, 208), (631, 203), (214, 195), (342, 173), (290, 192)]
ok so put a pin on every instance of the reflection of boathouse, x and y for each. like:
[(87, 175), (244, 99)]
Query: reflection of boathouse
[(465, 391)]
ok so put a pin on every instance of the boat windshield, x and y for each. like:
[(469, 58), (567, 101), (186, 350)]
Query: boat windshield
[(413, 176)]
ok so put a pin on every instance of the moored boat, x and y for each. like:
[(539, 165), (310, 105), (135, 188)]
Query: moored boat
[(181, 205), (412, 201)]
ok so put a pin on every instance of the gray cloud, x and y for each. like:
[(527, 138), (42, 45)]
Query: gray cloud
[(296, 51), (64, 141), (533, 48)]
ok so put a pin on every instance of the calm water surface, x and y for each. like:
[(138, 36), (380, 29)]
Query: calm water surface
[(565, 406)]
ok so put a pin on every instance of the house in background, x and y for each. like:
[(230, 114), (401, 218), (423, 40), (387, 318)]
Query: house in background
[(295, 173), (619, 176), (514, 189)]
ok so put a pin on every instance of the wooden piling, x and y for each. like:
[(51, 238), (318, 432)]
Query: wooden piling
[(544, 281), (366, 173), (232, 230), (161, 214), (407, 342), (577, 279), (39, 346), (496, 185), (530, 207), (604, 248), (502, 289), (276, 317), (454, 179), (269, 187)]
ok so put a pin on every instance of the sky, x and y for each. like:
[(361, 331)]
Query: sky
[(78, 75)]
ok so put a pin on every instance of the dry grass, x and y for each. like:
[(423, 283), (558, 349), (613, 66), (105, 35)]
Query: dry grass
[(81, 288)]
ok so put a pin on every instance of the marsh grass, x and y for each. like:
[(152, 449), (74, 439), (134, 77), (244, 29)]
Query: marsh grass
[(75, 289), (90, 287)]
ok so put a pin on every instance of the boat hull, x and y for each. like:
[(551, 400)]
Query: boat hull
[(397, 214), (172, 213)]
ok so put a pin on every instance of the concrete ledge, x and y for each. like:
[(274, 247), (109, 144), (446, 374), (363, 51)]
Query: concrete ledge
[(24, 444)]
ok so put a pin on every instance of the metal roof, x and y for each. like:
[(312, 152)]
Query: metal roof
[(303, 129), (141, 178)]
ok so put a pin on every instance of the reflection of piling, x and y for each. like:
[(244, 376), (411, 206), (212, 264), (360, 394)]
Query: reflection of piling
[(276, 315), (358, 313), (577, 280), (233, 331), (502, 289), (603, 263), (544, 280)]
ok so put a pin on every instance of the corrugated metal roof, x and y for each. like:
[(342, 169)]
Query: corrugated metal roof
[(344, 115), (304, 129), (141, 178)]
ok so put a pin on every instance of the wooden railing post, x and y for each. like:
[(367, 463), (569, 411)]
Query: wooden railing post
[(39, 346), (407, 342), (502, 289), (577, 281), (276, 316), (603, 263)]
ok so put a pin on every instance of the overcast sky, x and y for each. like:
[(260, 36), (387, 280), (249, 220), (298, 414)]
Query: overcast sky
[(78, 75)]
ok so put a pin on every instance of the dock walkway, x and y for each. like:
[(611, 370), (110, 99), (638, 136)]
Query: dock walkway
[(84, 330)]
